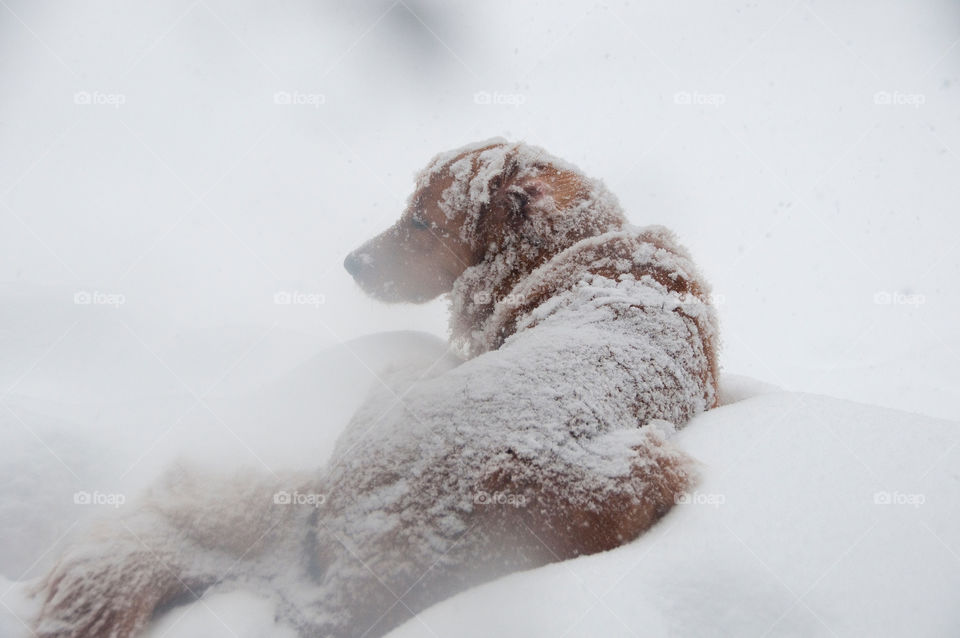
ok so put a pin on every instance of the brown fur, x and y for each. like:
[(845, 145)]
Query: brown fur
[(537, 209)]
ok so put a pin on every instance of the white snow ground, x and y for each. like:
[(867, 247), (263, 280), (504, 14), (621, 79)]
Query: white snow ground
[(815, 517), (824, 214)]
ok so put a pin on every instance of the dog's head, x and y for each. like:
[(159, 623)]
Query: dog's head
[(474, 204)]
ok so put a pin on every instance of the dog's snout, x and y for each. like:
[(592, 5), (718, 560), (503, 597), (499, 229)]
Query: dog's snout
[(353, 263)]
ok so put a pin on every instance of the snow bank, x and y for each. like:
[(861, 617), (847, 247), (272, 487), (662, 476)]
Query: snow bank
[(815, 516)]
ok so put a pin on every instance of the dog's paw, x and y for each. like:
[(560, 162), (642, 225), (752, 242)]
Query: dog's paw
[(103, 594)]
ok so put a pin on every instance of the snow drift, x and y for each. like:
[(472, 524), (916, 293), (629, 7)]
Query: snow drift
[(814, 516)]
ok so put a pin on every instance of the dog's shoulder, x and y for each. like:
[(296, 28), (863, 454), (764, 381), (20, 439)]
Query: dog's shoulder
[(648, 255)]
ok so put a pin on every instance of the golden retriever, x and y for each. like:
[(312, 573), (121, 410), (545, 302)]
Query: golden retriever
[(587, 341)]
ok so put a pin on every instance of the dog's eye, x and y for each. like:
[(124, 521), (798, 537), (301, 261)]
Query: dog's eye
[(419, 224)]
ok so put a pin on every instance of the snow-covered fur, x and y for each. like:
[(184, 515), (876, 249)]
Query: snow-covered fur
[(589, 341)]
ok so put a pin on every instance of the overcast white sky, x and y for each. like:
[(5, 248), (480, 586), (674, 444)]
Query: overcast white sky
[(807, 153)]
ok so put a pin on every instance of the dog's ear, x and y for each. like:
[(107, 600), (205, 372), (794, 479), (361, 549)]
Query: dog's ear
[(513, 200), (519, 196), (515, 194)]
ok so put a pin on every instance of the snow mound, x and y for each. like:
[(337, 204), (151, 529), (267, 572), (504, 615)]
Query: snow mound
[(814, 517), (231, 615)]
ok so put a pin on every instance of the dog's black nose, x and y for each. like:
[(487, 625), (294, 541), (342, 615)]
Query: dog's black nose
[(352, 263)]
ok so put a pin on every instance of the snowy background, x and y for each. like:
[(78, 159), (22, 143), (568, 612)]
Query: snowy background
[(173, 173)]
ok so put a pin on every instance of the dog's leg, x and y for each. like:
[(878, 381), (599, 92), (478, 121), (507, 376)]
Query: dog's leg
[(110, 583), (187, 534), (553, 517)]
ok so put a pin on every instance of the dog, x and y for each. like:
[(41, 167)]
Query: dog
[(587, 341)]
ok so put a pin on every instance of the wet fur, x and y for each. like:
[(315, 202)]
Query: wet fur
[(508, 232)]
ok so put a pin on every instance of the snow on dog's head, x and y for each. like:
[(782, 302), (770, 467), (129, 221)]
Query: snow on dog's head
[(495, 208)]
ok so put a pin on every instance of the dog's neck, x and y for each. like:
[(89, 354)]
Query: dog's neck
[(489, 284), (479, 290)]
